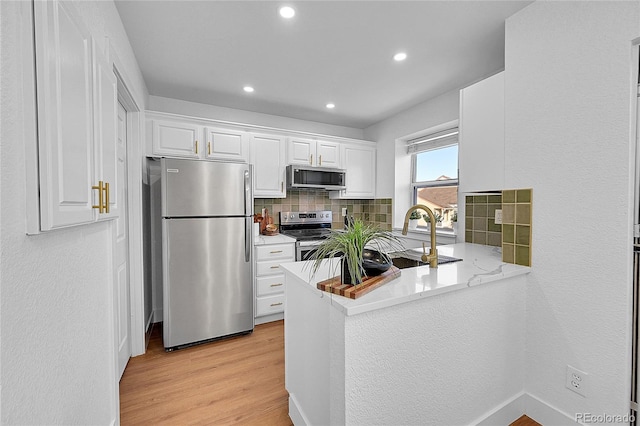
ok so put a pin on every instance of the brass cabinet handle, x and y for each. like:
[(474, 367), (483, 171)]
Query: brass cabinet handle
[(276, 304), (196, 147), (275, 267), (106, 197), (311, 160), (320, 159), (281, 186), (275, 251), (100, 189), (275, 285), (209, 148)]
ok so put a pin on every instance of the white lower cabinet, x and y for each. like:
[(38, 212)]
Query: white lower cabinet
[(269, 279)]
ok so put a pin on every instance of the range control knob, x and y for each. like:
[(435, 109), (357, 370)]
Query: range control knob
[(321, 215), (291, 216)]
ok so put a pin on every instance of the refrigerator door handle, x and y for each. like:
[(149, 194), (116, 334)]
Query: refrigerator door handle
[(247, 238), (247, 192)]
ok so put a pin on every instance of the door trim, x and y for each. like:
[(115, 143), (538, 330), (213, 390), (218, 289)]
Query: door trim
[(135, 140)]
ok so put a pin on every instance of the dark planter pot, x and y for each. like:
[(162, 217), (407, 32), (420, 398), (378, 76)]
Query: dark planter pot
[(346, 276)]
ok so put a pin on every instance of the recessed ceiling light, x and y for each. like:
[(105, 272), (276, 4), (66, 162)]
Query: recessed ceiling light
[(248, 89), (287, 12), (331, 106), (401, 56)]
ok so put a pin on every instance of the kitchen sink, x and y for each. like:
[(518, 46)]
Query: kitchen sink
[(403, 262)]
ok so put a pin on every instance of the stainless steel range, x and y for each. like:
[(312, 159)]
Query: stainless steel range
[(308, 228)]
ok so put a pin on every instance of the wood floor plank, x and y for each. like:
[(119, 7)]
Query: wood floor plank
[(233, 381)]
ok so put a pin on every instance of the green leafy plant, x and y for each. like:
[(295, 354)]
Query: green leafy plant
[(436, 215), (455, 217), (415, 215), (350, 244)]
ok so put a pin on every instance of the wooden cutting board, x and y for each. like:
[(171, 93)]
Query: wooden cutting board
[(333, 285)]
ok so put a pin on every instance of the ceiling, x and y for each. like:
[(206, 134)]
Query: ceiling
[(331, 51)]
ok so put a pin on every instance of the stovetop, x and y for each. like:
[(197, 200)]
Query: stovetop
[(306, 226)]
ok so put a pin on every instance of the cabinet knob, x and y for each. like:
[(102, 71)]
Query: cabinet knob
[(196, 147), (209, 148), (106, 197), (276, 304), (311, 160), (100, 188), (320, 160)]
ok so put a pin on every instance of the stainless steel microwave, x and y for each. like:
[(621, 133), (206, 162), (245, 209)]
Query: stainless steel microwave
[(300, 177)]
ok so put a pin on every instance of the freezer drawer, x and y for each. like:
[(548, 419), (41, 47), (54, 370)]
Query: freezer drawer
[(208, 291)]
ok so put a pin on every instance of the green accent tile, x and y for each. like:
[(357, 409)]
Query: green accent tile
[(494, 239), (480, 210), (491, 226), (277, 201), (509, 196), (468, 236), (479, 199), (469, 199), (295, 208), (494, 199), (480, 224), (381, 217), (468, 223), (522, 256), (523, 195), (508, 213), (523, 213), (508, 253), (523, 235), (327, 206), (365, 216), (508, 234), (480, 237), (365, 208)]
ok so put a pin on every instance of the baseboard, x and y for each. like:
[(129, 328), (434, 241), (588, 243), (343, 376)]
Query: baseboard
[(295, 413), (269, 318), (524, 403)]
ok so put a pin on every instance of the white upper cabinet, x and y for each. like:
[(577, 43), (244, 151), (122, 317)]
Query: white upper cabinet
[(359, 161), (481, 144), (313, 152), (177, 139), (76, 98), (268, 159), (225, 144)]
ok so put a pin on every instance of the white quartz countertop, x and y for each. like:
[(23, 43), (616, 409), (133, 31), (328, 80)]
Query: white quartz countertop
[(480, 265), (261, 240)]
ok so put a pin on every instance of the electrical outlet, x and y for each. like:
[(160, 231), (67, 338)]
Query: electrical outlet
[(498, 217), (344, 211), (577, 380)]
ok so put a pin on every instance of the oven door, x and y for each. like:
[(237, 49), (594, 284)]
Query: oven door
[(305, 249)]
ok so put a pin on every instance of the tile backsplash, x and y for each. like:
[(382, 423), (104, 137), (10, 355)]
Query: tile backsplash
[(514, 235), (376, 211)]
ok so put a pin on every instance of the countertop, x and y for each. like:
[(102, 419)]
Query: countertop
[(480, 265), (261, 240)]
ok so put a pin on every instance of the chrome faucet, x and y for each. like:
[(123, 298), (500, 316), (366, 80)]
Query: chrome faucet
[(432, 257)]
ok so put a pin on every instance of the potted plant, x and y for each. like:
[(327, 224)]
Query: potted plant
[(413, 219), (436, 215), (362, 250), (454, 222)]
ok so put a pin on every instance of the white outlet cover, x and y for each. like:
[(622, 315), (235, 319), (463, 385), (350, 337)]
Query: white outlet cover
[(577, 381), (498, 217), (344, 211)]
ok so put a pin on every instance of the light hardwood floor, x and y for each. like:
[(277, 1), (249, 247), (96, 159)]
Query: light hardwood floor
[(233, 381)]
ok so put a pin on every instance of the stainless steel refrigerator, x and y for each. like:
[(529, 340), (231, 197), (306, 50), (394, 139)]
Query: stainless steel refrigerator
[(207, 216)]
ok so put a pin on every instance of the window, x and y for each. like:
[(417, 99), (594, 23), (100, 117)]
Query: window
[(434, 159)]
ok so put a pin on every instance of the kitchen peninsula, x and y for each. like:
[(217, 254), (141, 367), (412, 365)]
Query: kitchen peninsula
[(434, 346)]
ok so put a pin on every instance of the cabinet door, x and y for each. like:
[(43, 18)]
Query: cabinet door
[(227, 144), (63, 64), (360, 164), (107, 156), (328, 154), (481, 145), (302, 151), (177, 139), (268, 159)]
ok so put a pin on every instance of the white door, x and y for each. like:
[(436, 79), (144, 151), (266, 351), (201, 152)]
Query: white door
[(301, 151), (122, 304), (328, 154), (268, 155)]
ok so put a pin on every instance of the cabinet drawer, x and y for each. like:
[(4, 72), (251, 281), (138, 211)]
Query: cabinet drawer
[(280, 251), (269, 305), (270, 285), (270, 267)]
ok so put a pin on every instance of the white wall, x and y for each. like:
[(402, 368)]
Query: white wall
[(568, 113), (57, 359), (193, 109)]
